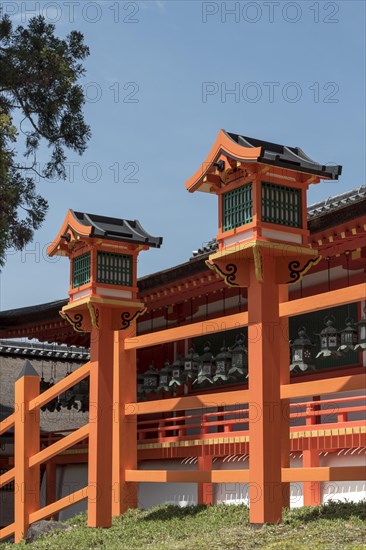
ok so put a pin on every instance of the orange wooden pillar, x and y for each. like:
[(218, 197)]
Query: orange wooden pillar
[(310, 459), (100, 422), (124, 427), (285, 403), (27, 431), (265, 427), (205, 490), (311, 489)]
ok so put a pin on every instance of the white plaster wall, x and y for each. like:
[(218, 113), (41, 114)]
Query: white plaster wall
[(180, 494), (69, 479), (344, 490)]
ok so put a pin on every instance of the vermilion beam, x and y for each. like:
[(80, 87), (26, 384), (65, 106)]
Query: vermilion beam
[(59, 446), (351, 294), (203, 476), (26, 438), (7, 477), (337, 473), (265, 372), (348, 295), (124, 494), (201, 328), (320, 387), (101, 422), (60, 387), (192, 402), (6, 424), (61, 504)]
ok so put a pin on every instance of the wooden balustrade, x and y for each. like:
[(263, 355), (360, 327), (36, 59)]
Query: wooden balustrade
[(29, 457), (166, 427)]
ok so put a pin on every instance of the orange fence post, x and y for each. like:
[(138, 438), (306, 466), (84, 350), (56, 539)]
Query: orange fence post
[(265, 430), (100, 422), (205, 490), (124, 426), (285, 403), (311, 489), (27, 434)]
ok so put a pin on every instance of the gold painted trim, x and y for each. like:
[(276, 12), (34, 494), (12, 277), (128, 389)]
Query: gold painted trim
[(93, 315), (72, 322), (222, 274), (108, 301), (245, 439), (258, 265), (265, 244)]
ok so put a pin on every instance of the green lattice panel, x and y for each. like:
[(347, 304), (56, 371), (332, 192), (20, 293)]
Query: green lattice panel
[(114, 269), (281, 205), (237, 207), (81, 270)]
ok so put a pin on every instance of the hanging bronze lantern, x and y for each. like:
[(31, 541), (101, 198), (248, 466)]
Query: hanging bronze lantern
[(177, 375), (164, 377), (191, 363), (361, 346), (330, 340), (206, 366), (239, 359), (302, 352), (81, 391), (349, 336), (223, 365), (151, 379), (51, 405), (139, 384)]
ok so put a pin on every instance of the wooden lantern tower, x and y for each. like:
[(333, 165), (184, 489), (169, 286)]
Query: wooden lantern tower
[(103, 301), (263, 245)]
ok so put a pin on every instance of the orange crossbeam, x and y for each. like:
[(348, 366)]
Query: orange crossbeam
[(59, 446), (221, 399), (60, 387), (202, 328), (339, 473), (7, 531), (320, 387), (354, 293), (6, 424), (61, 504), (345, 473), (196, 476), (7, 477)]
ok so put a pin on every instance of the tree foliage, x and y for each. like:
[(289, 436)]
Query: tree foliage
[(41, 101)]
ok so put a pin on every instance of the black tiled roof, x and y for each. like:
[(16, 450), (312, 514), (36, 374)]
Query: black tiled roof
[(335, 203), (287, 157), (117, 229), (48, 352)]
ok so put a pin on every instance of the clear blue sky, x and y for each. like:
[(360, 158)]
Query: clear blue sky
[(154, 116)]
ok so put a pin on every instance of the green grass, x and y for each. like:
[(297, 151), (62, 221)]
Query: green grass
[(333, 526)]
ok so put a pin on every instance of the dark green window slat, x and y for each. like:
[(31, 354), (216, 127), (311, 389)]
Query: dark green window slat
[(237, 207), (281, 205), (81, 270), (114, 269)]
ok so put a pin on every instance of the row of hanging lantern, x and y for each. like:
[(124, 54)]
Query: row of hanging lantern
[(333, 342), (76, 398), (230, 364)]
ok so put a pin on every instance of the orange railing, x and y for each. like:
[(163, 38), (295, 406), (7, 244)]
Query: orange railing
[(29, 456), (326, 411)]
